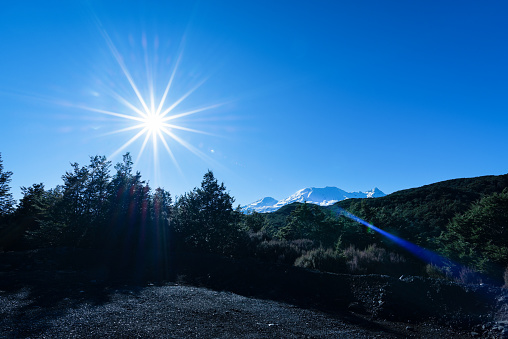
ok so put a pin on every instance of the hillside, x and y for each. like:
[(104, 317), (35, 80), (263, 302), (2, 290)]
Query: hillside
[(425, 209), (420, 214), (464, 220)]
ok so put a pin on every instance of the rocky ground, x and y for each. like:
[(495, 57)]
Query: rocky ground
[(41, 298)]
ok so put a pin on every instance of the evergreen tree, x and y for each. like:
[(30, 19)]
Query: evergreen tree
[(205, 220), (30, 208), (44, 209), (161, 208), (254, 221), (97, 189), (74, 216), (129, 207), (479, 237), (309, 221), (6, 201), (160, 236)]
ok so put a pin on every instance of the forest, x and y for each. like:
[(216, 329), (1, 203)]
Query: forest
[(104, 207)]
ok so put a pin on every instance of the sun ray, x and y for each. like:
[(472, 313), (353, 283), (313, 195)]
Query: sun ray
[(126, 129), (155, 153), (187, 146), (125, 71), (130, 141), (120, 115), (125, 102), (179, 115), (176, 103), (188, 129), (163, 99), (149, 75), (168, 149), (147, 136)]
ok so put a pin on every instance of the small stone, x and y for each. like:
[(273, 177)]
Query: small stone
[(356, 307)]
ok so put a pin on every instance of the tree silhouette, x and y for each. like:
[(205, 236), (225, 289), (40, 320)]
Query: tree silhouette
[(6, 201), (204, 218)]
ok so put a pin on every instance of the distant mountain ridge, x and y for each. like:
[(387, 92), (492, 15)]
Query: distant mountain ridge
[(320, 196)]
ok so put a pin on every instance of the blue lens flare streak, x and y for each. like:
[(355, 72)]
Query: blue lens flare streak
[(420, 252)]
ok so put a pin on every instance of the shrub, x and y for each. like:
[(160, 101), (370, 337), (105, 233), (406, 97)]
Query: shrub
[(376, 260), (257, 237), (282, 251), (324, 260), (303, 244), (433, 271), (468, 276), (505, 276)]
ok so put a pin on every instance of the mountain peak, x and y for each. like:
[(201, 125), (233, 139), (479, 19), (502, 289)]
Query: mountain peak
[(325, 196)]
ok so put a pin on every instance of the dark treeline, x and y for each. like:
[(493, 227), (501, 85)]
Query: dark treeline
[(111, 208), (94, 208)]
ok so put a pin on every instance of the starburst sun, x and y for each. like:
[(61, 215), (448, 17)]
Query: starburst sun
[(153, 119), (154, 122)]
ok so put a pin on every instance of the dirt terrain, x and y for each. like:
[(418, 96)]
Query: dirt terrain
[(42, 296)]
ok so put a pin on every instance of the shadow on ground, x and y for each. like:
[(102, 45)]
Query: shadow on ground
[(43, 285)]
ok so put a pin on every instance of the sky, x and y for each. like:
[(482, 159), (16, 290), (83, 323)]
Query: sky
[(272, 96)]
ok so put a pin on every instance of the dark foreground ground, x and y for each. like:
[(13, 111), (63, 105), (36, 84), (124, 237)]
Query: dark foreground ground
[(40, 298), (173, 311)]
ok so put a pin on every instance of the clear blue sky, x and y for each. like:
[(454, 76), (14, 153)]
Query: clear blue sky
[(353, 94)]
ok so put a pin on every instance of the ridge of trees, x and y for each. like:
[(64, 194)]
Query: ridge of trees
[(96, 209), (100, 208), (463, 219)]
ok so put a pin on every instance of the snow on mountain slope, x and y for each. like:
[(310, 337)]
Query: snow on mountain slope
[(320, 196), (260, 205)]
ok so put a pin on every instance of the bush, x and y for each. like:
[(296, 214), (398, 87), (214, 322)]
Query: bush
[(324, 260), (469, 276), (506, 278), (376, 260), (435, 272), (282, 251)]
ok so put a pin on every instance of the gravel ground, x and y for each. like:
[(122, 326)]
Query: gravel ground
[(175, 311), (46, 294)]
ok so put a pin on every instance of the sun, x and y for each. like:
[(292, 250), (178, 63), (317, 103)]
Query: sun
[(154, 123), (152, 117)]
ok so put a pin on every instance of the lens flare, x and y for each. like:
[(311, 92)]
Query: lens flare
[(420, 252)]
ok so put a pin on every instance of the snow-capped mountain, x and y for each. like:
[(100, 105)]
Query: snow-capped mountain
[(261, 204), (320, 196)]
